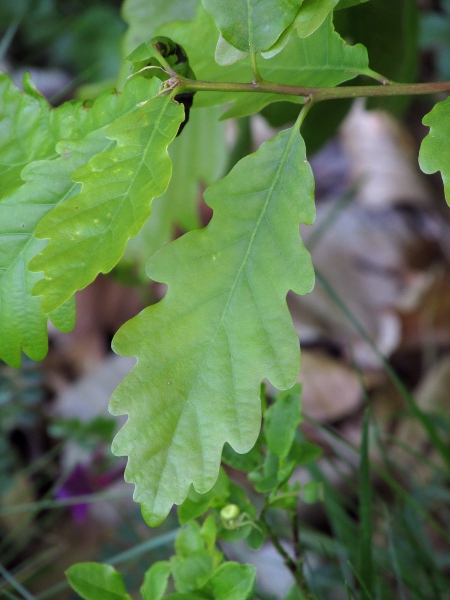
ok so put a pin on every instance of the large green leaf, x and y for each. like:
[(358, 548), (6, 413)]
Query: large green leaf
[(89, 231), (252, 25), (198, 157), (45, 183), (222, 327), (95, 581), (435, 149)]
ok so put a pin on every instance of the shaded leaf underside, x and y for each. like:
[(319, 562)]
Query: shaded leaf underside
[(222, 327)]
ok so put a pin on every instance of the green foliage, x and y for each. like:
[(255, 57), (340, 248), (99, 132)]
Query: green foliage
[(252, 25), (229, 307), (94, 581), (434, 152), (78, 182), (91, 229)]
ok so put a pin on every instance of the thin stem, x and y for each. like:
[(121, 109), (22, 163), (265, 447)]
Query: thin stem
[(316, 94), (294, 567), (256, 73)]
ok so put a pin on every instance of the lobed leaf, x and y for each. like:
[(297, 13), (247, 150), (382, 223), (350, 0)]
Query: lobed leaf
[(435, 151), (252, 25), (89, 231), (222, 327), (45, 183)]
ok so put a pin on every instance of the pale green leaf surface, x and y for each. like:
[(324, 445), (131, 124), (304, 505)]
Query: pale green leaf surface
[(252, 25), (96, 581), (226, 54), (155, 581), (23, 322), (233, 581), (88, 232), (222, 327), (435, 150), (198, 158)]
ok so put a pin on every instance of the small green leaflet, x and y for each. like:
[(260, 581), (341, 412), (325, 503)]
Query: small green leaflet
[(45, 183), (88, 232), (95, 581), (252, 25), (435, 150), (222, 327)]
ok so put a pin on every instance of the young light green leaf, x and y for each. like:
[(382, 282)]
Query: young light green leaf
[(96, 581), (226, 54), (155, 581), (222, 327), (23, 322), (282, 420), (89, 231), (435, 150), (252, 25), (232, 581)]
